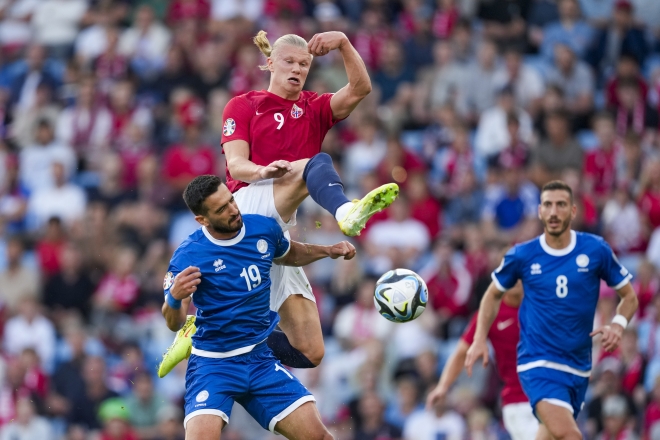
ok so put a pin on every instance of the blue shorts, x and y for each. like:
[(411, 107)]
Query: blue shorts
[(557, 387), (256, 380)]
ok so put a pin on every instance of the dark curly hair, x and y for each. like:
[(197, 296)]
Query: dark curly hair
[(199, 190)]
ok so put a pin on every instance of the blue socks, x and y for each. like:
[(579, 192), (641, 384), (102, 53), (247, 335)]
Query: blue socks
[(324, 184), (287, 353)]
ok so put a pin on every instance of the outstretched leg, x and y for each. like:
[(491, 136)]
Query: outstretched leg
[(204, 427)]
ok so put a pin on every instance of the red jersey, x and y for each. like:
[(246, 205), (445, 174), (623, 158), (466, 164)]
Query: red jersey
[(503, 336), (277, 128)]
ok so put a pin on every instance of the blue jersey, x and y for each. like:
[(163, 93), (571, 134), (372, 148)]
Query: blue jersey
[(561, 292), (233, 298)]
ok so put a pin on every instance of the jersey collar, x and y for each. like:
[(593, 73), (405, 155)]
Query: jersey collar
[(559, 252), (230, 242)]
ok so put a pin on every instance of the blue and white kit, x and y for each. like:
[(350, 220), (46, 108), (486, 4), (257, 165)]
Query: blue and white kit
[(561, 287), (230, 360)]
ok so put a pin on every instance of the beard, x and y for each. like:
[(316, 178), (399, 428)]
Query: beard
[(233, 225), (564, 226)]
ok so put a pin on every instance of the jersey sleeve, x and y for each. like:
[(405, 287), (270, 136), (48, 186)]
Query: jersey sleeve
[(177, 264), (508, 273), (470, 330), (322, 105), (612, 271), (236, 118), (282, 244)]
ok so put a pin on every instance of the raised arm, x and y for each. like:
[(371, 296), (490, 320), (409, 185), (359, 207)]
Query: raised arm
[(359, 84), (302, 254), (242, 168), (177, 300), (624, 313), (490, 305)]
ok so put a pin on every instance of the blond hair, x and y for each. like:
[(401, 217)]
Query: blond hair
[(261, 41)]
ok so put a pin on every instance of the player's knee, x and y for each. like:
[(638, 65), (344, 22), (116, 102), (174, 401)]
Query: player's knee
[(570, 434), (314, 353)]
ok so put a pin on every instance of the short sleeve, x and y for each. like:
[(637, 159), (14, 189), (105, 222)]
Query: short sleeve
[(321, 104), (177, 264), (508, 273), (470, 330), (236, 120), (282, 244), (612, 271)]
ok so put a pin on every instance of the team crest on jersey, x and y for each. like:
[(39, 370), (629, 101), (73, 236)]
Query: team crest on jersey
[(218, 264), (262, 246), (296, 111), (582, 261), (202, 396), (168, 281), (229, 127), (536, 269)]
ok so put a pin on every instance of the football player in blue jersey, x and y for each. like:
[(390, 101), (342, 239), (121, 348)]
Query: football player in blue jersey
[(560, 272), (223, 268)]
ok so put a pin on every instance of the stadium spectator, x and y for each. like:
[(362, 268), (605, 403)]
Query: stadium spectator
[(17, 281), (372, 425), (31, 329), (145, 43), (36, 161), (526, 82), (570, 29), (632, 113), (84, 406), (615, 414), (143, 406), (392, 70), (63, 200), (440, 421), (28, 425)]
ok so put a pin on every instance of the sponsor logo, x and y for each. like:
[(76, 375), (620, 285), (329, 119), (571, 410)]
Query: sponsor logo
[(202, 396), (262, 246), (536, 269), (504, 324), (218, 264), (263, 257), (229, 127)]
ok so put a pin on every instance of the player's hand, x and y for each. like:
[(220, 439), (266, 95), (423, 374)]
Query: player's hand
[(185, 283), (435, 396), (276, 169), (611, 336), (342, 249), (478, 349), (321, 44)]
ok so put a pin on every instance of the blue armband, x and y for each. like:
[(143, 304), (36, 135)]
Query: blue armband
[(172, 302)]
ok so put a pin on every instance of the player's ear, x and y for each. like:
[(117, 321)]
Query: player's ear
[(269, 62), (538, 211), (573, 211), (201, 220)]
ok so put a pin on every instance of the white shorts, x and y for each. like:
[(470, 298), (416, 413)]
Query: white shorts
[(519, 421), (258, 198)]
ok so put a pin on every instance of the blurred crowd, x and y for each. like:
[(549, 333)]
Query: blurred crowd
[(108, 108)]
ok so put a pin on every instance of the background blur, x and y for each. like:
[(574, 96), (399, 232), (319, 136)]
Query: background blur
[(108, 108)]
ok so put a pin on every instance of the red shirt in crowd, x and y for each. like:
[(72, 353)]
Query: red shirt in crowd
[(427, 211), (48, 253), (444, 22), (600, 168), (180, 10), (650, 206), (180, 161), (651, 416), (503, 336), (645, 294), (121, 292), (410, 163), (444, 292), (277, 128)]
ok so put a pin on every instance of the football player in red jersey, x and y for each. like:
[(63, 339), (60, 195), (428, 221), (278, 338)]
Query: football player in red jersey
[(272, 142), (504, 334)]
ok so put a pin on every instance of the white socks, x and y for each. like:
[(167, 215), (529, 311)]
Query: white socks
[(343, 210)]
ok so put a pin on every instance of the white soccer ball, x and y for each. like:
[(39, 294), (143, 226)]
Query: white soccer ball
[(401, 295)]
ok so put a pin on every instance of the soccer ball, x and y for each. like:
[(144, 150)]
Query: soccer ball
[(400, 295)]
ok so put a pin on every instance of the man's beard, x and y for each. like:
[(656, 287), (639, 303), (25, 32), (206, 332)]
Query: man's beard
[(565, 225), (231, 226)]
